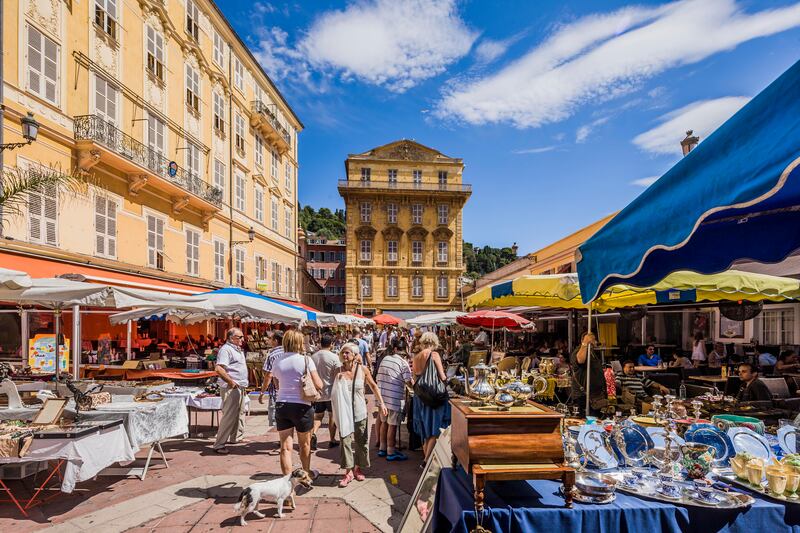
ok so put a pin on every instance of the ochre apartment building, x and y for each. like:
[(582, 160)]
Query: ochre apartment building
[(187, 142), (404, 229)]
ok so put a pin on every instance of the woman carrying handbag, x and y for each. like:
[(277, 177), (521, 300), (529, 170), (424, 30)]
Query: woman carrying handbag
[(431, 403)]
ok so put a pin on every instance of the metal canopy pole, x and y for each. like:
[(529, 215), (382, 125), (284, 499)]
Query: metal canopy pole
[(76, 341), (128, 351), (57, 321), (588, 362)]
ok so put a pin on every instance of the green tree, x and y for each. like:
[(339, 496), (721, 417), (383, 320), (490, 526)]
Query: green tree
[(481, 261), (323, 222)]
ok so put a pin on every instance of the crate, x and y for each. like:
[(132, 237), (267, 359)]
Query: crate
[(21, 470)]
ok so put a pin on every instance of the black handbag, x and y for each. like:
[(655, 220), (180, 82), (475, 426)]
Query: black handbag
[(429, 388)]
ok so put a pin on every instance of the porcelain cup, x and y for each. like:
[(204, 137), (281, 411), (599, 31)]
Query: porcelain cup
[(792, 483), (707, 494), (671, 489), (755, 473), (777, 482)]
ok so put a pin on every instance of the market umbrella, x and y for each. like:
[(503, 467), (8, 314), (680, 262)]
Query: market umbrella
[(734, 197), (493, 320), (435, 319), (361, 320), (246, 305), (385, 319), (14, 279)]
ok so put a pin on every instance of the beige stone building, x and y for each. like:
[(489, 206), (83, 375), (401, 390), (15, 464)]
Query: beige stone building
[(404, 229)]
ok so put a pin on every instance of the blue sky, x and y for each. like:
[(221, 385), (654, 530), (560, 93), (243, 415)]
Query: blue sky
[(563, 111)]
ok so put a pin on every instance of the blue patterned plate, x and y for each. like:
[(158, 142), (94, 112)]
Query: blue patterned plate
[(711, 435)]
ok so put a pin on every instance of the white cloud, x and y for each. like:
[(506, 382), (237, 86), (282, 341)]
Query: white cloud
[(702, 117), (392, 43), (488, 50), (538, 150), (583, 132), (645, 182), (600, 57)]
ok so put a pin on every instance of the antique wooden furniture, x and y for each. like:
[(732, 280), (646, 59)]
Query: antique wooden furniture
[(520, 443)]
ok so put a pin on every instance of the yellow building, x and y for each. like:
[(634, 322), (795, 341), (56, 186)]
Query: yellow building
[(188, 143), (404, 229)]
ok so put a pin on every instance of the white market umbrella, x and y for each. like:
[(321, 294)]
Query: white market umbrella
[(435, 319), (14, 279)]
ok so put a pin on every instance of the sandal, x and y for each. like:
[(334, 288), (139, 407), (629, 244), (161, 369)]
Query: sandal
[(359, 474), (381, 453), (397, 456), (346, 479)]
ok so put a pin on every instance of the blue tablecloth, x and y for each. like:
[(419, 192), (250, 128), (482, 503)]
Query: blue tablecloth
[(528, 506)]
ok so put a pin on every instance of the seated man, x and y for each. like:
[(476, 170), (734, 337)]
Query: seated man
[(753, 389), (650, 357), (637, 384), (767, 359), (716, 356)]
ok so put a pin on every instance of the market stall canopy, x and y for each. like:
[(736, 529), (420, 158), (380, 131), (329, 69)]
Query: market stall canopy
[(183, 314), (735, 196), (14, 279), (245, 305), (493, 320), (385, 319), (435, 319), (678, 287), (361, 320)]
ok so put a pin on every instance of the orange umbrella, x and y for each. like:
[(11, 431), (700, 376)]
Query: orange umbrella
[(385, 319)]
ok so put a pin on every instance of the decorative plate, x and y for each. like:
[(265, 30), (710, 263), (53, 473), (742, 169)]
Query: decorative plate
[(711, 435), (596, 446), (658, 434), (633, 442), (787, 438), (747, 440)]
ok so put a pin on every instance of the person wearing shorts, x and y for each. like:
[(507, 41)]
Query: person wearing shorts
[(393, 375), (292, 411), (327, 364)]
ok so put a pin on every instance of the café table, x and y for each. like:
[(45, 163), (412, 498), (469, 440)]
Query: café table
[(714, 380), (538, 506), (645, 368)]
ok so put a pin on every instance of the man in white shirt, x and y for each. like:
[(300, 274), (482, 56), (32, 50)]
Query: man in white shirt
[(327, 364), (231, 368)]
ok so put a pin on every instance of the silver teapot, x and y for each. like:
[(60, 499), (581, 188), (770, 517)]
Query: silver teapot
[(520, 390), (480, 389), (504, 400)]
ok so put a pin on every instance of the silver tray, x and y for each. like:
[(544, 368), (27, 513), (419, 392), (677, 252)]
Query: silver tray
[(763, 490), (729, 500), (580, 497)]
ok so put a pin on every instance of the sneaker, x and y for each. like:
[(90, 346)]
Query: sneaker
[(313, 442), (381, 453), (221, 451), (346, 479), (359, 474), (314, 474), (397, 456), (333, 444)]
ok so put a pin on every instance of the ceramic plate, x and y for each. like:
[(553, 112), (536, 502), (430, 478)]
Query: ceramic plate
[(658, 434), (787, 438), (596, 446), (633, 442), (747, 440), (711, 435)]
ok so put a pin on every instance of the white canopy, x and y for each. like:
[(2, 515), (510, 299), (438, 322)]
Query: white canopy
[(435, 319), (14, 279)]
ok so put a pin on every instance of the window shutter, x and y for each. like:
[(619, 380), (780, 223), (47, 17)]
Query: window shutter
[(100, 224), (34, 60), (111, 228), (50, 70), (51, 216), (35, 216)]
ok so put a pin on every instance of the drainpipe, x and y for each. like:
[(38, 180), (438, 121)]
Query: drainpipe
[(230, 167)]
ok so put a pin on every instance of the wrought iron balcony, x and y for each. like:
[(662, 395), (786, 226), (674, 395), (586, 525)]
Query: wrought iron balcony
[(97, 130), (405, 186), (266, 119)]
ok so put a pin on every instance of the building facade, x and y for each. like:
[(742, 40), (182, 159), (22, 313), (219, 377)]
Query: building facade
[(404, 229), (325, 262), (187, 143)]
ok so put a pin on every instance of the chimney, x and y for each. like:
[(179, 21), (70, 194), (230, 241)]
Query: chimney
[(689, 142), (514, 249)]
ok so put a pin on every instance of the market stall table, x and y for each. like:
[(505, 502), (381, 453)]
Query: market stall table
[(539, 506)]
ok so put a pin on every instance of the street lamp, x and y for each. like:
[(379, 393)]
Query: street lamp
[(30, 130), (251, 235)]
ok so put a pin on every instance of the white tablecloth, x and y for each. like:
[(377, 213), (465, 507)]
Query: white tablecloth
[(206, 403), (146, 422), (84, 456)]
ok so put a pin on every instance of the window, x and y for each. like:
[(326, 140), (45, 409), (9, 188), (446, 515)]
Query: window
[(332, 273), (259, 203), (416, 251), (287, 215), (441, 251), (43, 66), (43, 216), (416, 286), (391, 250), (391, 213), (155, 242), (259, 151), (105, 99), (219, 260), (239, 266), (442, 287), (238, 74), (105, 16), (340, 257), (105, 226), (417, 176), (288, 177), (416, 214), (391, 286), (442, 179), (156, 134), (443, 212), (238, 191), (366, 250), (366, 286), (288, 273), (262, 269), (219, 113), (275, 277), (192, 252), (312, 255), (777, 326), (366, 212), (276, 161), (219, 50), (332, 257), (219, 174), (155, 53), (192, 19), (239, 132), (192, 89), (392, 175), (193, 162), (366, 174)]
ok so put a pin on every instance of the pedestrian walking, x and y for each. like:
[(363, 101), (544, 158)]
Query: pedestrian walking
[(232, 371)]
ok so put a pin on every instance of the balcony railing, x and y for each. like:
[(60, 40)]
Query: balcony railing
[(260, 107), (404, 186), (94, 128)]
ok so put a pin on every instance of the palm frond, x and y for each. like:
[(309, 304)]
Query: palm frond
[(17, 183)]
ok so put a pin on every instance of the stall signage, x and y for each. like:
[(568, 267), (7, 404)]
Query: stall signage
[(42, 353)]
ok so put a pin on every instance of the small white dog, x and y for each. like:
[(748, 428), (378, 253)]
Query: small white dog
[(278, 489)]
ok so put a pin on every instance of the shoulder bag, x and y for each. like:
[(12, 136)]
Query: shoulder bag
[(429, 388), (308, 391)]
